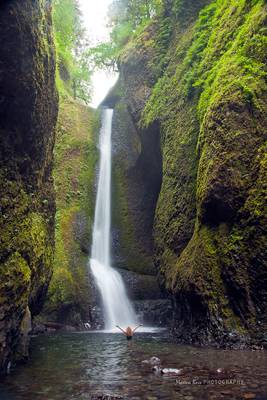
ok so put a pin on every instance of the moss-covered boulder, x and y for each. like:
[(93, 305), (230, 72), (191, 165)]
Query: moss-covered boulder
[(27, 119)]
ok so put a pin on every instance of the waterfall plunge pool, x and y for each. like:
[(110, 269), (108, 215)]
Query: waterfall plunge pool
[(84, 366)]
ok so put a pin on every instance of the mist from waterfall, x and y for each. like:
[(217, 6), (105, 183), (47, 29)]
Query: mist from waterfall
[(117, 307)]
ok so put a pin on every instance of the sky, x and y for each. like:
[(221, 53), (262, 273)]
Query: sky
[(94, 18)]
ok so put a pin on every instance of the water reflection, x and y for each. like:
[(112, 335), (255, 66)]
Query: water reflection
[(80, 366)]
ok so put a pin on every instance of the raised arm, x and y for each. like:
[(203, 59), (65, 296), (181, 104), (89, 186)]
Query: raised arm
[(138, 326), (123, 331)]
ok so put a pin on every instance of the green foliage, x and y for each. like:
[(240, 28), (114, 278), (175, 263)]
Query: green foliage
[(73, 75), (104, 55), (134, 12), (127, 18)]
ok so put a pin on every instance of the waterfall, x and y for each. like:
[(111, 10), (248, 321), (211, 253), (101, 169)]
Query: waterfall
[(117, 307)]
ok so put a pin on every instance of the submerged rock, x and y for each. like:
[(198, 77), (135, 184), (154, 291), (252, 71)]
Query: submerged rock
[(152, 361), (171, 371), (167, 371)]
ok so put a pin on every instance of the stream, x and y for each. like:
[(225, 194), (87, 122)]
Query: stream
[(89, 365)]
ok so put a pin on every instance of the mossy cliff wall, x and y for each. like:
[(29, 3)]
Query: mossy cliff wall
[(27, 119), (68, 300), (197, 76)]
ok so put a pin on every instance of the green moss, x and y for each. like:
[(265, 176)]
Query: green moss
[(210, 102), (26, 228), (74, 176), (26, 246), (256, 202), (198, 270), (228, 36), (16, 276)]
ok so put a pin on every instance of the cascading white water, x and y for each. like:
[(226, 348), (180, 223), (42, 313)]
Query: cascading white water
[(117, 307)]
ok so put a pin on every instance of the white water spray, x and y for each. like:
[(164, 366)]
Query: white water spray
[(117, 307)]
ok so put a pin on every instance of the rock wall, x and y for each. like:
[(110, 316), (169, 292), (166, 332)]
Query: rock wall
[(28, 115), (197, 73), (136, 180), (69, 296)]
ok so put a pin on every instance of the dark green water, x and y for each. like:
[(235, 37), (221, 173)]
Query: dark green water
[(83, 365)]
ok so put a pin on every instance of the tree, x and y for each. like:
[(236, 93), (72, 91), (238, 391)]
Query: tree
[(72, 46), (125, 17)]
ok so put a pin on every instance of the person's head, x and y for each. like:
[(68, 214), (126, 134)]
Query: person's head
[(129, 331)]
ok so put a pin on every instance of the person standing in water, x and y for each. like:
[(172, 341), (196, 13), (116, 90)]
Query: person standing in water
[(128, 332)]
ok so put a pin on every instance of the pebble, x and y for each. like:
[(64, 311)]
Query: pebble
[(249, 396)]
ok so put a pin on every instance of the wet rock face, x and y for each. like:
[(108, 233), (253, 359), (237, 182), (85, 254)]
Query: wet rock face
[(156, 312), (136, 181), (27, 119), (141, 287)]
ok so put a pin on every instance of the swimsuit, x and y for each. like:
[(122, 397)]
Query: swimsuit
[(129, 337)]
